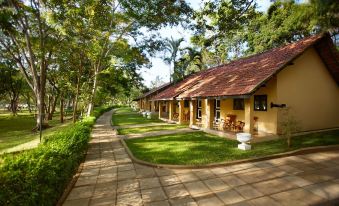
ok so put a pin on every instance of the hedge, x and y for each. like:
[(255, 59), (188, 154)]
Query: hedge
[(39, 176)]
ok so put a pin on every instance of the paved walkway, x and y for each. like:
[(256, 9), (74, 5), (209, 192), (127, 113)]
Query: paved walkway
[(109, 177), (157, 133)]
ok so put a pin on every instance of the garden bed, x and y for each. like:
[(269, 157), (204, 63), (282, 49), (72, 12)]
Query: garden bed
[(200, 148), (39, 176)]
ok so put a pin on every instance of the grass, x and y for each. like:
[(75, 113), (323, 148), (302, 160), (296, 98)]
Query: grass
[(138, 130), (126, 116), (16, 130), (200, 148)]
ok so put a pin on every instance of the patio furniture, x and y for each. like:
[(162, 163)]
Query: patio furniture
[(216, 124), (175, 117), (187, 116), (229, 122), (255, 128), (239, 127), (198, 122)]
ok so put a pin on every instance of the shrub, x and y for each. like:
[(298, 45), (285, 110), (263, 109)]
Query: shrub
[(39, 176)]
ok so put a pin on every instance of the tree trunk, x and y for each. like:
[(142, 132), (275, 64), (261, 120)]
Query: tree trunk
[(94, 89), (14, 106), (52, 110), (75, 105), (48, 108), (40, 103), (28, 101), (62, 108)]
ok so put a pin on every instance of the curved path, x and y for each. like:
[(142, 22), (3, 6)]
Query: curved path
[(109, 177)]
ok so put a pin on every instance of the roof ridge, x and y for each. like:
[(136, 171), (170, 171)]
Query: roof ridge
[(269, 50)]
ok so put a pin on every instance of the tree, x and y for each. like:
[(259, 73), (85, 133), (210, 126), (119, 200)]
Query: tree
[(220, 29), (158, 81), (288, 125), (109, 22), (26, 36), (11, 84), (172, 47), (287, 21)]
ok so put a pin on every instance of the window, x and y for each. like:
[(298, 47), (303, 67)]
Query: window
[(186, 103), (260, 102), (198, 115), (217, 103), (217, 109), (238, 104)]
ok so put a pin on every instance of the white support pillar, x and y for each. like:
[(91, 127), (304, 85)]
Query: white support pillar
[(208, 113), (193, 109), (171, 109), (181, 111), (249, 121)]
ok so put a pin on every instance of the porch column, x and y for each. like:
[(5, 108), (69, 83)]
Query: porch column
[(160, 105), (181, 111), (193, 109), (208, 113), (249, 121), (152, 106), (171, 109)]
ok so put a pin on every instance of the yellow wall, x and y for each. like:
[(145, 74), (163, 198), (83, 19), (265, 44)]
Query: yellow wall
[(310, 92), (226, 107), (267, 120)]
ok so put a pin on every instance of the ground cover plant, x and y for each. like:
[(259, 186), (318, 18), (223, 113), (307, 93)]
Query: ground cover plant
[(126, 116), (39, 176), (139, 130), (201, 148)]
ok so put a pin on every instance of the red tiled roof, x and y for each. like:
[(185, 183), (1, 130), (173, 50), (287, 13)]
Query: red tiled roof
[(153, 91), (330, 56), (244, 76), (182, 86)]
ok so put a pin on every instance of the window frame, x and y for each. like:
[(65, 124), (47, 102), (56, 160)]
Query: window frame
[(217, 109), (262, 99), (199, 109), (242, 104)]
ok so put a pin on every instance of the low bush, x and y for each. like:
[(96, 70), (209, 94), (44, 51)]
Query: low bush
[(39, 176)]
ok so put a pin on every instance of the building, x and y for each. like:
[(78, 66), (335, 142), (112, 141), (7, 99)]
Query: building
[(251, 94), (144, 101)]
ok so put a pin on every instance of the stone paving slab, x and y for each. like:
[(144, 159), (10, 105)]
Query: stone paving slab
[(109, 177)]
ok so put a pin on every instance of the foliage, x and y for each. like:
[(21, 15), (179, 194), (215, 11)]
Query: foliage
[(220, 28), (289, 124), (39, 176), (199, 148), (11, 84), (172, 48), (287, 21)]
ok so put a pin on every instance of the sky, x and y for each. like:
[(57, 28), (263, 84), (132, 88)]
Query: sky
[(159, 68)]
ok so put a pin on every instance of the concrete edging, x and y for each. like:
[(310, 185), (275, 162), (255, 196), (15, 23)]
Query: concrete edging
[(285, 154)]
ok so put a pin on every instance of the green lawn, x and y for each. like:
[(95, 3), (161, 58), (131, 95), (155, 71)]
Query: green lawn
[(126, 116), (16, 130), (139, 130), (200, 148)]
